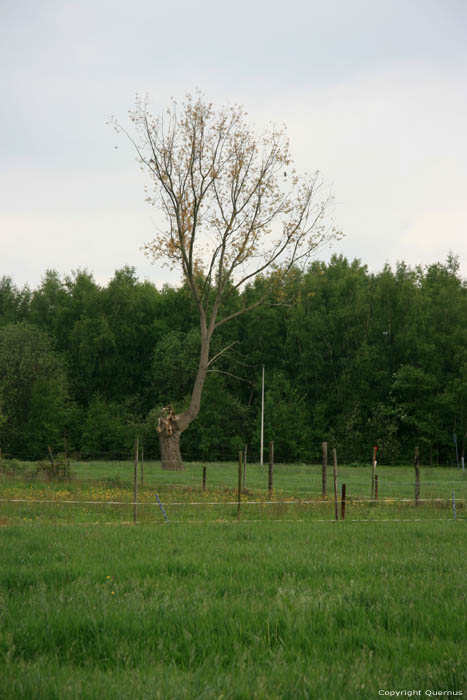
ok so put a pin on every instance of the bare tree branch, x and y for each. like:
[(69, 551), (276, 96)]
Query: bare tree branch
[(229, 374), (221, 352)]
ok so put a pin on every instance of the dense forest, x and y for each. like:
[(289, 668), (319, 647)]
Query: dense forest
[(351, 357)]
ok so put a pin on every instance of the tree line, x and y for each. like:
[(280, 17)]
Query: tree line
[(352, 357)]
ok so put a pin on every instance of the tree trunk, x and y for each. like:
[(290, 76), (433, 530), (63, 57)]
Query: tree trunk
[(169, 440), (170, 452), (171, 426)]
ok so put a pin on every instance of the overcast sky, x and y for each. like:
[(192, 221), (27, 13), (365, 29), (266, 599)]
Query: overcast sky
[(373, 92)]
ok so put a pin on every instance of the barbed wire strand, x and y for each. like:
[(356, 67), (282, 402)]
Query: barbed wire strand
[(388, 501)]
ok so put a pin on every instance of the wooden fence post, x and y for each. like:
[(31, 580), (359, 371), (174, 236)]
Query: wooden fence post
[(373, 472), (271, 467), (417, 476), (52, 461), (245, 452), (334, 455), (376, 487), (135, 480), (204, 478), (324, 468), (343, 503), (67, 457), (239, 490), (142, 465)]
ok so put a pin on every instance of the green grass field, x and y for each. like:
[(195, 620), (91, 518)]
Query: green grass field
[(285, 603), (290, 479), (102, 492), (271, 610)]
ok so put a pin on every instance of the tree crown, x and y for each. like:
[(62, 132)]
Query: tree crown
[(234, 206)]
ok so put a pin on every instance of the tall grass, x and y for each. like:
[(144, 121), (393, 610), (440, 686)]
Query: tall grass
[(264, 610)]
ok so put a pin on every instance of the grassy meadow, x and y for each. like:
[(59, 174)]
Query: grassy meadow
[(275, 610), (301, 480), (103, 492), (285, 603)]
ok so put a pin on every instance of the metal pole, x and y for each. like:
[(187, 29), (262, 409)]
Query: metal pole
[(161, 507), (262, 421)]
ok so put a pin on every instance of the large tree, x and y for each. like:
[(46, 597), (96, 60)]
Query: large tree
[(234, 208)]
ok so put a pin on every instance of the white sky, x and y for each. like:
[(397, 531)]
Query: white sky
[(374, 94)]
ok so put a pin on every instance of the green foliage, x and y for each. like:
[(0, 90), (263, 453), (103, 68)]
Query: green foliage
[(351, 357), (3, 417), (13, 302), (174, 365), (212, 436), (33, 391), (106, 429), (92, 349), (288, 420)]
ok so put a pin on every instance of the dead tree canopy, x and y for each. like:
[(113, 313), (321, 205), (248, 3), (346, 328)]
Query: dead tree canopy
[(234, 208)]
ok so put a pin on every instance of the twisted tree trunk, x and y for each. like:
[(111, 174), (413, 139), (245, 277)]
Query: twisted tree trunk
[(170, 426), (169, 439)]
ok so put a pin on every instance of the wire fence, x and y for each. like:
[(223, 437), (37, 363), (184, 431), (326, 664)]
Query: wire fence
[(59, 511)]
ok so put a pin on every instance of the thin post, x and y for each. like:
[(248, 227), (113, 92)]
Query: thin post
[(376, 487), (262, 421), (462, 461), (239, 490), (67, 456), (343, 503), (324, 469), (161, 507), (334, 456), (1, 460), (373, 471), (453, 506), (245, 452), (417, 476), (135, 480), (142, 465), (204, 478), (271, 467), (52, 461)]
